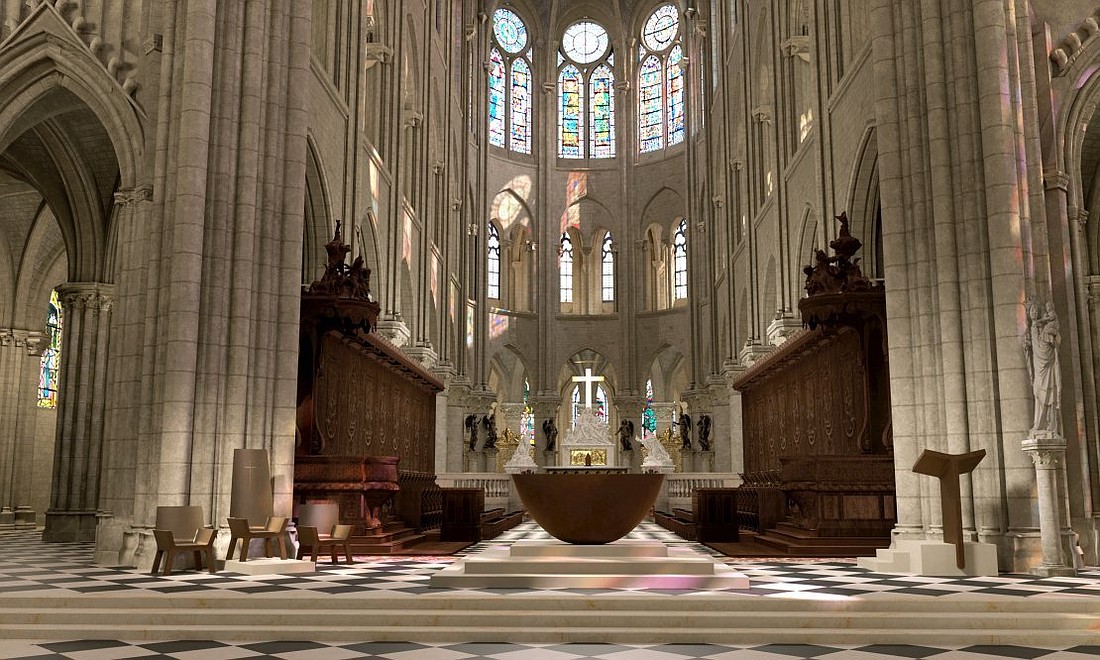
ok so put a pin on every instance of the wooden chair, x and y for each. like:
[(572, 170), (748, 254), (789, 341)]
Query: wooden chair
[(168, 547), (273, 531), (308, 537)]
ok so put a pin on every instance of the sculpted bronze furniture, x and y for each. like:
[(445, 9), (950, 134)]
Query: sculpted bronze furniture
[(588, 508)]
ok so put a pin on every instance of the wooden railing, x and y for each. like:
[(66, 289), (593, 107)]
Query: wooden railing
[(679, 487), (497, 487)]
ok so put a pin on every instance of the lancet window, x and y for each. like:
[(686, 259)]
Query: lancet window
[(510, 83), (586, 78), (50, 366), (607, 268), (566, 268), (493, 266), (680, 262), (660, 81)]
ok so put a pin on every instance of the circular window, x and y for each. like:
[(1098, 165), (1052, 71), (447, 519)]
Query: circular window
[(584, 42), (509, 30), (661, 28)]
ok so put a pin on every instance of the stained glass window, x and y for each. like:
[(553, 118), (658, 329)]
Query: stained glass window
[(675, 77), (493, 288), (680, 261), (584, 42), (571, 108), (527, 424), (521, 106), (50, 367), (649, 417), (509, 30), (661, 28), (566, 268), (608, 270), (650, 114), (602, 121), (496, 99)]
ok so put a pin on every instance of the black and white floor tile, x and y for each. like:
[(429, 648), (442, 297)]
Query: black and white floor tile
[(28, 566), (290, 650)]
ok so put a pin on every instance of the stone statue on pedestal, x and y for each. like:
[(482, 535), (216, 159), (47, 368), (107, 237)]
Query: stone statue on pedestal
[(490, 423), (704, 432), (626, 431), (550, 430), (685, 431), (471, 427), (1041, 348)]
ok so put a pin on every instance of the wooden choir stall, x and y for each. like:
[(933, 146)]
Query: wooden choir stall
[(365, 417), (819, 469)]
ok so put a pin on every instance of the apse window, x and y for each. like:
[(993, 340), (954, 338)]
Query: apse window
[(493, 288), (680, 262), (566, 268), (586, 80), (660, 81), (607, 262), (510, 83)]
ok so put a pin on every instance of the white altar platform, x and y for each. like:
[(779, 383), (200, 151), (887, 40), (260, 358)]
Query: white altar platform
[(624, 564)]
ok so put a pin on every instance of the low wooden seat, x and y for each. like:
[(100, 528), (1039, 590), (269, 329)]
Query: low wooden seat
[(201, 545), (309, 537), (273, 531)]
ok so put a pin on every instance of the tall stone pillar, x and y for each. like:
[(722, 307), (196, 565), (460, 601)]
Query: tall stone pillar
[(1049, 454), (20, 356), (78, 449)]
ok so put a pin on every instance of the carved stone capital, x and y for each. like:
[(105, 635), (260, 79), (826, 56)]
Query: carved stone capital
[(94, 296), (1055, 180), (1047, 450), (374, 53), (797, 46), (128, 196), (30, 341)]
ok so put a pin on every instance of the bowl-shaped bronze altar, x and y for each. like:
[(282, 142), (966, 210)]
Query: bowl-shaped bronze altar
[(588, 509)]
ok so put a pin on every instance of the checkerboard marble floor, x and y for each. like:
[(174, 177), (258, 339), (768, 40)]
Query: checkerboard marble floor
[(28, 567), (187, 650)]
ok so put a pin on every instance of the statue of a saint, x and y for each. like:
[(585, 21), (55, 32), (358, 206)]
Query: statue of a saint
[(626, 431), (1041, 348), (471, 428), (685, 431), (490, 423), (550, 430), (704, 432)]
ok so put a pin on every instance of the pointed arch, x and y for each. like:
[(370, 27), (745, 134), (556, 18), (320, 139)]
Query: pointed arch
[(520, 133), (570, 113), (497, 98), (650, 105), (863, 204), (601, 125), (318, 226)]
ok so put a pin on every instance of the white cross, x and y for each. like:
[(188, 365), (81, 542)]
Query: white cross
[(588, 379)]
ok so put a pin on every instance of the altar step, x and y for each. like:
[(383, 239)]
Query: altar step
[(392, 538), (556, 618), (794, 541)]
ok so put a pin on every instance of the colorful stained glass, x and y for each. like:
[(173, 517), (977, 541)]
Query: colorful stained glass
[(521, 107), (675, 79), (50, 366), (493, 242), (527, 423), (570, 112), (566, 268), (649, 416), (650, 106), (607, 268), (602, 120), (680, 261), (661, 28), (584, 42), (496, 99), (509, 30)]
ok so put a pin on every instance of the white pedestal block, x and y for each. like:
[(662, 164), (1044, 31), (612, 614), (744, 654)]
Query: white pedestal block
[(625, 564), (932, 558), (270, 566)]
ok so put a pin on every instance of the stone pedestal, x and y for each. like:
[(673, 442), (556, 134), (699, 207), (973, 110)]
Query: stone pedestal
[(477, 461), (626, 460), (7, 518), (932, 558), (489, 455), (270, 566), (1048, 452), (704, 461), (24, 517), (550, 458)]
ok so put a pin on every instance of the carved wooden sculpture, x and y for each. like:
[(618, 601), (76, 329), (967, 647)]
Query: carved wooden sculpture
[(948, 468)]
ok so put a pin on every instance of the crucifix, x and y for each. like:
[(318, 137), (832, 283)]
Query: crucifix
[(588, 379)]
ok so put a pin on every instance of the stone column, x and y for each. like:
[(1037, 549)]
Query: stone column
[(1048, 452), (74, 498), (20, 359)]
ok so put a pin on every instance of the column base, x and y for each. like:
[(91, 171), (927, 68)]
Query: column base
[(70, 527), (1054, 571)]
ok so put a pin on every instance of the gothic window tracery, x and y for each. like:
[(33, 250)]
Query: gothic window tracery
[(607, 270), (660, 81), (679, 262), (510, 84), (586, 74), (566, 268), (493, 243)]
